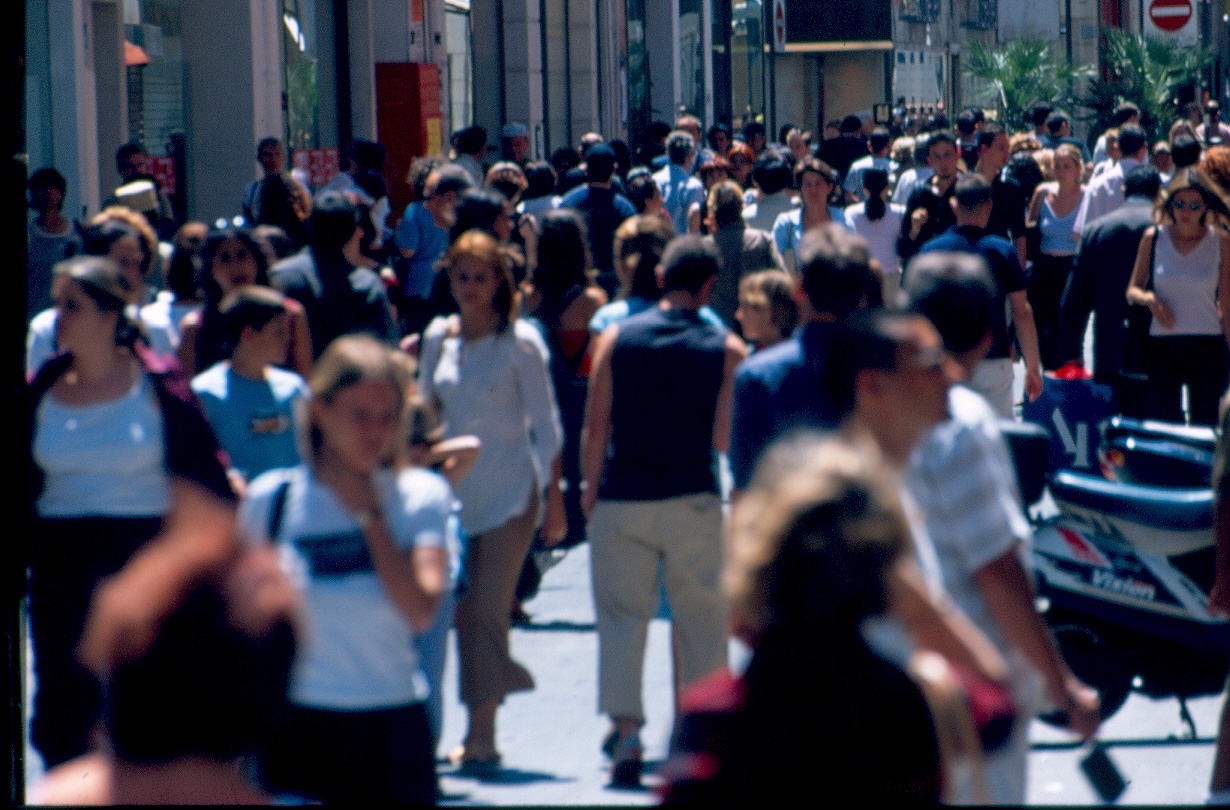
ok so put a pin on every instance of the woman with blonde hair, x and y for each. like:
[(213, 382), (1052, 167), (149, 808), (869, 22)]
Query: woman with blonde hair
[(1053, 211), (1181, 264), (488, 370), (767, 312), (369, 560)]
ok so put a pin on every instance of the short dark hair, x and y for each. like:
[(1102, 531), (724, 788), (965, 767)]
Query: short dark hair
[(266, 143), (478, 209), (972, 190), (126, 151), (641, 190), (1185, 151), (967, 124), (751, 130), (725, 203), (850, 124), (599, 163), (46, 179), (880, 139), (989, 132), (867, 339), (1132, 139), (1040, 113), (1055, 122), (688, 263), (1124, 113), (937, 137), (250, 305), (1142, 181), (539, 179), (333, 220), (956, 292), (472, 140), (772, 171), (835, 266)]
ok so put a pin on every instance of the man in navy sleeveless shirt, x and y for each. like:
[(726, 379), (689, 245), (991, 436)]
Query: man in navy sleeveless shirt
[(659, 399)]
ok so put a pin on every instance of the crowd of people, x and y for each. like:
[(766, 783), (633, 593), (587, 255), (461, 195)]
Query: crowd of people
[(323, 434)]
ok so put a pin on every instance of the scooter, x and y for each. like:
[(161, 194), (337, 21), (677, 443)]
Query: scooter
[(1124, 561)]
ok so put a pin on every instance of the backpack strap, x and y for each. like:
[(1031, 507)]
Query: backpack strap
[(279, 506)]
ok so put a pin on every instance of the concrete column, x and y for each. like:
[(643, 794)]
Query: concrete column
[(486, 49), (522, 66), (662, 49), (583, 66), (612, 58), (362, 70), (266, 21), (220, 104)]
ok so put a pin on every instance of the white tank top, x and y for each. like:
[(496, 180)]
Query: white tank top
[(1188, 284)]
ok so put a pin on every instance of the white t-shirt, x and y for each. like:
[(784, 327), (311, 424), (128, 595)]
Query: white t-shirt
[(105, 459), (881, 235), (358, 653)]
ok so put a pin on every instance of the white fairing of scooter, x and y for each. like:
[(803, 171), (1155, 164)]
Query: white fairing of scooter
[(1069, 557)]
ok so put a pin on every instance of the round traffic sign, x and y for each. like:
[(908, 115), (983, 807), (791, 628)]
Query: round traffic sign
[(1170, 15)]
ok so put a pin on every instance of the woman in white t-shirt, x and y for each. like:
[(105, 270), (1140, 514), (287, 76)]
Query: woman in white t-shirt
[(879, 222), (368, 557)]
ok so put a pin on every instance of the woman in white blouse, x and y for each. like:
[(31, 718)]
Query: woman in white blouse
[(488, 371)]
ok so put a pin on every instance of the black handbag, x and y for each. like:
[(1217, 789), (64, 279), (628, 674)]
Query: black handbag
[(1133, 389)]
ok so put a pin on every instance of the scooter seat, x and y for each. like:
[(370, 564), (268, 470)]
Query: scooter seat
[(1202, 438), (1176, 509)]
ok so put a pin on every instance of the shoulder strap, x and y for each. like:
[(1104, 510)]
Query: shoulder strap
[(279, 506), (1157, 234)]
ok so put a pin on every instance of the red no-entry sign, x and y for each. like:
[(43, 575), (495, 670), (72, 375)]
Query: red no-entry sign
[(1170, 15)]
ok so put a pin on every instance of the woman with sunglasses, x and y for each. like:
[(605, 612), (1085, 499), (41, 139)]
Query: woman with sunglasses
[(1182, 263)]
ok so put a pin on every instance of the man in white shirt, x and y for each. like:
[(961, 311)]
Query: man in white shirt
[(878, 159), (962, 480), (1105, 194), (679, 188), (1125, 113)]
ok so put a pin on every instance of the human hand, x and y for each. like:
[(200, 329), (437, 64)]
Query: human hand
[(555, 520), (1084, 715), (917, 220), (1161, 312), (1033, 383)]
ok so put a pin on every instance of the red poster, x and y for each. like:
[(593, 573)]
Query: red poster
[(163, 169)]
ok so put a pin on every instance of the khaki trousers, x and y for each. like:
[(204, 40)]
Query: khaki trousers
[(629, 539), (493, 564)]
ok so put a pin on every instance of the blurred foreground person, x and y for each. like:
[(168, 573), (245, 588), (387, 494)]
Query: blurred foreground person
[(813, 539), (180, 716), (119, 454)]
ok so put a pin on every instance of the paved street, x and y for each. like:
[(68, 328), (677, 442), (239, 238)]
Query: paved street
[(550, 737)]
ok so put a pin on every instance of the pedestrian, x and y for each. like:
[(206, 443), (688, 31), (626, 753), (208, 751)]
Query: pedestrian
[(813, 545), (51, 237), (744, 250), (767, 312), (963, 482), (1102, 266), (773, 174), (132, 163), (422, 237), (928, 209), (658, 395), (879, 222), (879, 145), (1007, 197), (515, 144), (1181, 264), (370, 566), (469, 146), (711, 172), (508, 179), (338, 297), (277, 198), (741, 161), (604, 209), (645, 196), (787, 386), (126, 238), (1105, 194), (1124, 113), (993, 376), (252, 405), (231, 258), (816, 183), (117, 447), (1053, 212), (488, 370), (680, 190), (539, 195)]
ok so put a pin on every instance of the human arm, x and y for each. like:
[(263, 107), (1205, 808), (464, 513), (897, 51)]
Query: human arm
[(1034, 212), (1006, 589), (751, 425), (1027, 336), (938, 625), (694, 219), (596, 430), (454, 457), (554, 520), (413, 580), (189, 331), (1137, 292), (736, 353)]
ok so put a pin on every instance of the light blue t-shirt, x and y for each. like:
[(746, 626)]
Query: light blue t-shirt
[(616, 311), (358, 652), (417, 231), (254, 420)]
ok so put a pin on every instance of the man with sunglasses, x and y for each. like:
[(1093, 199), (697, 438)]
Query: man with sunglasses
[(963, 482)]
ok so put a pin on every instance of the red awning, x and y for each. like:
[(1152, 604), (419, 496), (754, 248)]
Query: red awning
[(133, 55)]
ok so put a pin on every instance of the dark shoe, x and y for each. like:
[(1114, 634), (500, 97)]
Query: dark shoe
[(608, 745), (626, 772), (519, 617)]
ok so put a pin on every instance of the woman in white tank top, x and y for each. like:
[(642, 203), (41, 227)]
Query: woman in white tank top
[(1181, 266)]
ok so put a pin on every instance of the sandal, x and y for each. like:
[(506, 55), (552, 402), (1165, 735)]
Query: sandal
[(474, 766), (626, 770)]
